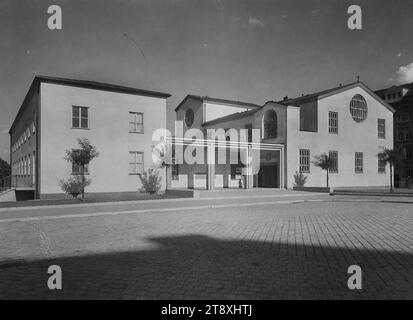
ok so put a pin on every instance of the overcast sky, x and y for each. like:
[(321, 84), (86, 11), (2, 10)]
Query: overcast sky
[(246, 50)]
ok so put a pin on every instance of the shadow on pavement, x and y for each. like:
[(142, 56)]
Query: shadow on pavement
[(200, 267)]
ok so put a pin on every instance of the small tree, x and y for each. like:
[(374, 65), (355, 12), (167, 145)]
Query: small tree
[(389, 157), (300, 179), (74, 185), (151, 181), (81, 158), (324, 162), (5, 171)]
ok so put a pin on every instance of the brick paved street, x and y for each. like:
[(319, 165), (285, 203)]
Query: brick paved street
[(278, 248)]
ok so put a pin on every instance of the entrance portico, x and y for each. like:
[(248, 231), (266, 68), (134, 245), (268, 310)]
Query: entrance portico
[(228, 165)]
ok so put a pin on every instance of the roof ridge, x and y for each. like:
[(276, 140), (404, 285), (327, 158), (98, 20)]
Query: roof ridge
[(100, 85), (318, 93)]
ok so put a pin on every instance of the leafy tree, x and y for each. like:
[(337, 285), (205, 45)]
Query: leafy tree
[(389, 157), (324, 162), (82, 157), (5, 171), (151, 181)]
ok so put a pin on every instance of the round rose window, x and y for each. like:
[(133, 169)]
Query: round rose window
[(189, 117), (358, 108)]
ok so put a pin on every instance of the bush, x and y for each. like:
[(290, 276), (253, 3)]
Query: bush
[(73, 185), (299, 179), (151, 181)]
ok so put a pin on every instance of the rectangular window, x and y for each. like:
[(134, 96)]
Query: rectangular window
[(381, 164), (77, 169), (29, 165), (135, 122), (309, 116), (381, 128), (334, 161), (80, 117), (136, 162), (332, 122), (358, 162), (305, 160)]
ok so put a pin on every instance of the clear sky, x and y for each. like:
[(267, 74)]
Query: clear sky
[(249, 50)]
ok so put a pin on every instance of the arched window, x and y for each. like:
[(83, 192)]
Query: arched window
[(270, 124)]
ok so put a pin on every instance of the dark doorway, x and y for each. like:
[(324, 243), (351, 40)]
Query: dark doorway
[(269, 172), (268, 177)]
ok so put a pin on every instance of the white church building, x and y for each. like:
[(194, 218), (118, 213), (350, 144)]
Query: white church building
[(350, 123)]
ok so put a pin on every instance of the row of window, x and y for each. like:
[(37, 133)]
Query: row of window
[(25, 165), (25, 137), (404, 135), (136, 164), (405, 153), (402, 117), (393, 96), (304, 162), (80, 119), (333, 124)]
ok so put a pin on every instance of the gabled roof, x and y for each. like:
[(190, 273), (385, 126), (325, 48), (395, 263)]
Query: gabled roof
[(309, 97), (234, 116), (329, 92), (83, 84), (217, 100), (101, 86)]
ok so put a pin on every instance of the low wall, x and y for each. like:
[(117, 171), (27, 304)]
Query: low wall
[(8, 196), (314, 189), (118, 196)]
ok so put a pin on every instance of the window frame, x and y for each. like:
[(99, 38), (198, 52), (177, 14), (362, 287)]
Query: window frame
[(304, 166), (266, 125), (333, 169), (80, 118), (135, 173), (358, 108), (333, 122), (358, 162), (381, 134), (135, 123), (381, 164), (78, 172)]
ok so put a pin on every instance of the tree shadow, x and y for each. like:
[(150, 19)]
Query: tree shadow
[(201, 267)]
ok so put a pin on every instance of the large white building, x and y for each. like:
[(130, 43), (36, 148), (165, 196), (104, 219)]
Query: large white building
[(350, 123), (118, 120)]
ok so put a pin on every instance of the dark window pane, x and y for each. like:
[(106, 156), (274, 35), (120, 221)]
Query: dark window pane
[(84, 112), (75, 111), (139, 128), (84, 123), (75, 122)]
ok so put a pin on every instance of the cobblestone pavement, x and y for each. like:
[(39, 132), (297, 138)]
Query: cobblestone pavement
[(264, 251)]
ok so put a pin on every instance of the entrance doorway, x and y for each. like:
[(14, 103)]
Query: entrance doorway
[(269, 172)]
